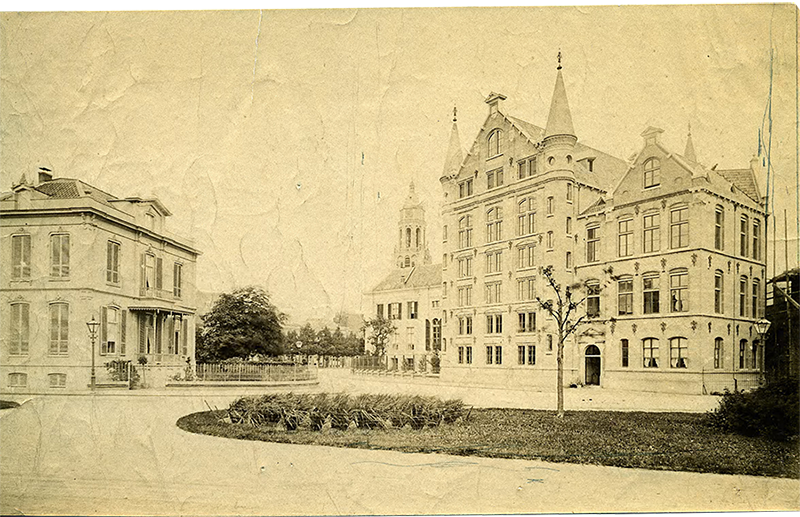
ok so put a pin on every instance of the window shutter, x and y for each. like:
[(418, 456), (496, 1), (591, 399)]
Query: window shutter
[(54, 254), (159, 272), (16, 256), (122, 330), (185, 337), (109, 261), (158, 328), (400, 310), (103, 330), (142, 330), (65, 255), (143, 278), (171, 342)]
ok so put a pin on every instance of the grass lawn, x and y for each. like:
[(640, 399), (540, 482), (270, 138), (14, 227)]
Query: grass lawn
[(665, 441), (7, 404)]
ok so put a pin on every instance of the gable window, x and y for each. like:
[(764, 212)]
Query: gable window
[(679, 228), (413, 309), (526, 220), (743, 296), (465, 188), (651, 294), (679, 291), (719, 228), (652, 173), (525, 256), (677, 352), (19, 328), (526, 168), (57, 380), (718, 352), (719, 286), (112, 262), (743, 236), (625, 238), (756, 239), (59, 255), (592, 243), (625, 296), (59, 328), (494, 144), (494, 262), (624, 353), (17, 380), (20, 257), (652, 233), (650, 352), (465, 231), (494, 179), (593, 299), (494, 323), (494, 224)]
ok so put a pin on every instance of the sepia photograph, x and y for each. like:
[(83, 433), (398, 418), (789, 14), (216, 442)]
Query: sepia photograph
[(400, 261)]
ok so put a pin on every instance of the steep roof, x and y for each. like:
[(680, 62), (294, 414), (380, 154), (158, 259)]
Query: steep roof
[(424, 275), (744, 180), (68, 188), (559, 121), (455, 154)]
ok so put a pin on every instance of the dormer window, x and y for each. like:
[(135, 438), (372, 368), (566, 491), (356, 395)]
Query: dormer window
[(652, 173), (494, 148)]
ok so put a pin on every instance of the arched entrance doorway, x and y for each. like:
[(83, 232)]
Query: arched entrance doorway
[(592, 366)]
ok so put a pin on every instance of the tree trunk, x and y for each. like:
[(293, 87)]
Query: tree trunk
[(560, 376)]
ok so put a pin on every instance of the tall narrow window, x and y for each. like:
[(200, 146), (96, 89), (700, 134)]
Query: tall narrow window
[(719, 228), (679, 291), (177, 279), (568, 260), (531, 355), (592, 243), (549, 240), (465, 232), (20, 329), (742, 353), (494, 262), (625, 296), (469, 355), (651, 294), (719, 286), (569, 191), (526, 218), (652, 233), (625, 353), (677, 352), (756, 239), (755, 297), (109, 330), (754, 355), (525, 256), (494, 224), (461, 355), (59, 255), (413, 310), (569, 226), (593, 299), (652, 173), (112, 262), (465, 267), (625, 247), (718, 352), (417, 237), (444, 233), (550, 205), (743, 296), (489, 354), (498, 355), (743, 236), (521, 354), (59, 328), (20, 257), (650, 352), (679, 228)]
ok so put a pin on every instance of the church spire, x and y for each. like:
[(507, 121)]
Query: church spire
[(689, 153), (559, 121), (452, 162)]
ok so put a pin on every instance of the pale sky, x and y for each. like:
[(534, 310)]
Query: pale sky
[(284, 141)]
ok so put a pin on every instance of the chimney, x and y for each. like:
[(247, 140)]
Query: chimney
[(495, 100), (45, 174)]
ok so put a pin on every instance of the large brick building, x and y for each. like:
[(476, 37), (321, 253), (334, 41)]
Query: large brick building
[(669, 254), (71, 253)]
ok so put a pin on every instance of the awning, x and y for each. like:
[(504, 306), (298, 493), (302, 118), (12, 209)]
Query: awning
[(160, 308)]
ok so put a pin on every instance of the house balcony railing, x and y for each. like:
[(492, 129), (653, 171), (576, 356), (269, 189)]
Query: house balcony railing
[(158, 294)]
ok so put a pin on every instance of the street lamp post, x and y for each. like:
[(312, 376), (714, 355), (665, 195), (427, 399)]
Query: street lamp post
[(762, 327), (92, 325)]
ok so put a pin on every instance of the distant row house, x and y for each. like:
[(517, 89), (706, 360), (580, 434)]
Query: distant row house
[(76, 254)]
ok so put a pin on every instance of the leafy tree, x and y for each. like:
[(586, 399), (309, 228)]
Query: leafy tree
[(380, 330), (564, 311), (241, 324)]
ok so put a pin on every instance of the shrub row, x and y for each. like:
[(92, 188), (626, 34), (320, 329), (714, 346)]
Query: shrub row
[(318, 411), (772, 411)]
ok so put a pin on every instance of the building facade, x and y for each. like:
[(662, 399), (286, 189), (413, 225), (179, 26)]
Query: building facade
[(75, 253), (668, 254), (410, 296)]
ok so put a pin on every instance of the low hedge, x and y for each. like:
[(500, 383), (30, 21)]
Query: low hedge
[(772, 411), (318, 411)]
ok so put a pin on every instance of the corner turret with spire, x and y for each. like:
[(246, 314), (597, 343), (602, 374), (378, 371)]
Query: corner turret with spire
[(559, 135)]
